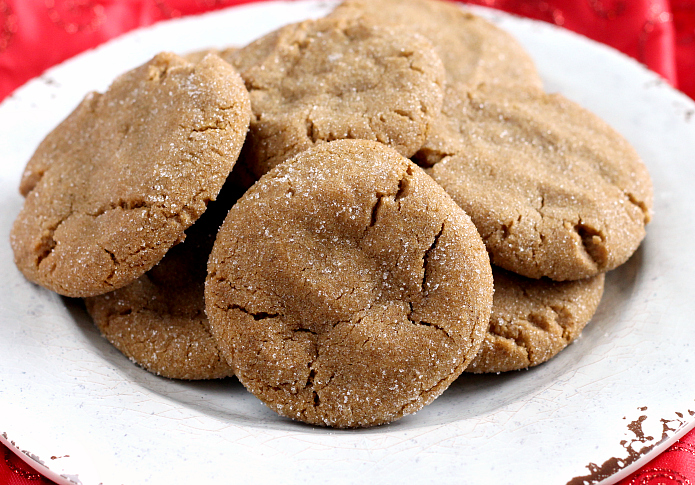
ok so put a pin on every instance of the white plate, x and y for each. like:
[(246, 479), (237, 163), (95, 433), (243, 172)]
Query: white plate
[(621, 393)]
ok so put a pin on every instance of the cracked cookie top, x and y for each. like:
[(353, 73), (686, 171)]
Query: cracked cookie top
[(159, 321), (553, 190), (346, 288), (328, 79), (534, 319), (116, 184)]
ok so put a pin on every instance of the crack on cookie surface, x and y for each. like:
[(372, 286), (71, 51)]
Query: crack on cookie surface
[(115, 265), (46, 246), (427, 259), (593, 242), (403, 186), (47, 242), (257, 316), (125, 205), (634, 200), (212, 125)]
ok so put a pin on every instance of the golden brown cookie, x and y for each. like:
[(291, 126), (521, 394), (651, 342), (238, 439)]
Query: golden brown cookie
[(116, 184), (553, 190), (532, 320), (346, 287), (328, 79), (473, 50), (159, 320)]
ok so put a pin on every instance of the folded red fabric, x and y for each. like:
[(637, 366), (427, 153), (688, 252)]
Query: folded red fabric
[(36, 34)]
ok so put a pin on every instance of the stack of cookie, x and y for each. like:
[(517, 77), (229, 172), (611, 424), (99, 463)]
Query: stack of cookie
[(352, 191)]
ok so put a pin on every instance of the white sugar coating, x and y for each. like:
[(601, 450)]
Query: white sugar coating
[(368, 279)]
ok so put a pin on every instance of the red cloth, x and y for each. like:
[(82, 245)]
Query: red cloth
[(36, 34), (675, 466)]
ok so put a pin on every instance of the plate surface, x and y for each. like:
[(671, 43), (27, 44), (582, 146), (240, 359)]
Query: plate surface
[(618, 395)]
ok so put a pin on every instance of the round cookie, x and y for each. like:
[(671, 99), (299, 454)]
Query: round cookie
[(159, 321), (473, 50), (532, 320), (553, 190), (346, 287), (327, 79), (116, 184)]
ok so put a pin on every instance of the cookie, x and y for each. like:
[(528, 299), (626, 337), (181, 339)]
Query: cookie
[(553, 190), (473, 50), (159, 321), (116, 184), (532, 320), (327, 79), (346, 288)]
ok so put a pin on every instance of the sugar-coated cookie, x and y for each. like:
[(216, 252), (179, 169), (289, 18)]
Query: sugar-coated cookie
[(116, 184), (346, 288)]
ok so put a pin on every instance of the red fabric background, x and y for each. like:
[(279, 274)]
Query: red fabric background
[(36, 34)]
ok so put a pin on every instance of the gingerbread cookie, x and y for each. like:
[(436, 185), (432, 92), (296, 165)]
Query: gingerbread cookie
[(346, 288), (159, 320), (328, 79), (532, 320), (116, 184), (553, 190)]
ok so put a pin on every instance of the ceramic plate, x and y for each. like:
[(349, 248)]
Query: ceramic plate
[(611, 400)]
